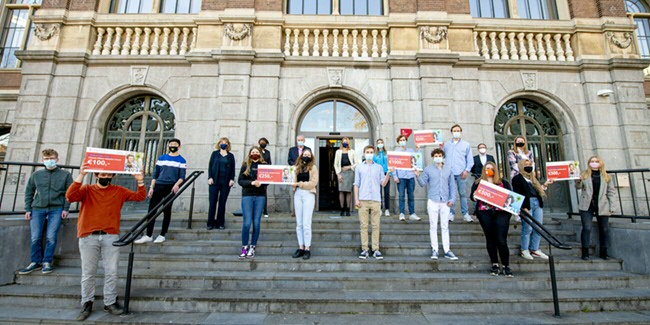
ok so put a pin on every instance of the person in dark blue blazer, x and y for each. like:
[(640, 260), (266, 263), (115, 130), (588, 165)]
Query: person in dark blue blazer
[(480, 160), (221, 178), (294, 152)]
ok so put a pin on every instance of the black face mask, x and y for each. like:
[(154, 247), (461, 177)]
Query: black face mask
[(306, 160), (104, 181), (519, 144), (262, 145), (528, 169), (173, 149)]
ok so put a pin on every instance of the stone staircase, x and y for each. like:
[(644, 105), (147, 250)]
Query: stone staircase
[(195, 277)]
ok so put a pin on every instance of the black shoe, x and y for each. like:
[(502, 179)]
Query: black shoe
[(507, 272), (307, 255), (342, 212), (603, 254), (585, 254), (222, 227), (114, 309), (347, 212), (85, 311), (494, 270), (298, 253), (210, 227)]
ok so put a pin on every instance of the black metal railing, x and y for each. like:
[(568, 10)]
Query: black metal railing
[(12, 175), (552, 241), (142, 225), (635, 177)]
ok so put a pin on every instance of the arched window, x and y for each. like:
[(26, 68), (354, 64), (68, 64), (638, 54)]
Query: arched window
[(642, 25), (489, 8), (544, 137), (537, 9), (125, 130)]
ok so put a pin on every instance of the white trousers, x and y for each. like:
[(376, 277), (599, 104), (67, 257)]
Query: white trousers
[(438, 210)]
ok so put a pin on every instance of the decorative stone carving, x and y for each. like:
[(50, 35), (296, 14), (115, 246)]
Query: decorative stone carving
[(622, 44), (45, 31), (529, 79), (139, 75), (335, 77), (237, 32), (436, 37)]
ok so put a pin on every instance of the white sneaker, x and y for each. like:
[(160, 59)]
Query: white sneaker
[(540, 254), (401, 217), (144, 239), (467, 218), (266, 216), (387, 213), (159, 239), (451, 217), (526, 255), (414, 217)]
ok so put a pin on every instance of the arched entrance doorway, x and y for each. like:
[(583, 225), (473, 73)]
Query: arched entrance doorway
[(324, 125), (544, 137)]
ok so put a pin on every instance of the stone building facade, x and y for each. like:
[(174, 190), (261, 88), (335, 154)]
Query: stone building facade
[(574, 83)]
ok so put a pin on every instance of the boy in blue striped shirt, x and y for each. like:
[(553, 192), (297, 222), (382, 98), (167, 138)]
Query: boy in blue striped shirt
[(167, 178)]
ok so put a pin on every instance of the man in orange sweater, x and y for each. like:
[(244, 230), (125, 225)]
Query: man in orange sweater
[(97, 228)]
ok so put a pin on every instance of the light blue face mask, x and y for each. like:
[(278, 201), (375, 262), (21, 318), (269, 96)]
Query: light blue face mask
[(380, 145), (301, 143), (49, 164)]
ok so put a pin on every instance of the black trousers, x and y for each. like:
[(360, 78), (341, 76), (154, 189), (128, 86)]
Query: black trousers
[(159, 193), (495, 227), (587, 223), (386, 196), (218, 194)]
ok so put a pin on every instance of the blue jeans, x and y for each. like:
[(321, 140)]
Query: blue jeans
[(461, 185), (406, 184), (252, 208), (53, 218), (528, 241)]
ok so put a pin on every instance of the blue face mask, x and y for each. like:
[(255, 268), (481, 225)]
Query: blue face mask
[(380, 145), (345, 145), (301, 143), (223, 146), (50, 164)]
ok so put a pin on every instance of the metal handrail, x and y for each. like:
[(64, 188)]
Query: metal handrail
[(552, 241), (141, 225)]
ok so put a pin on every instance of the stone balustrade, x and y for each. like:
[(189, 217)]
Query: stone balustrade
[(173, 40), (335, 42), (523, 46)]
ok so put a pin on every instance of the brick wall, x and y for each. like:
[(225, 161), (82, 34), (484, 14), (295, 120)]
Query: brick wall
[(432, 5), (597, 8), (84, 5), (612, 8), (10, 80), (268, 5), (403, 6), (213, 5), (458, 6), (223, 4), (55, 4)]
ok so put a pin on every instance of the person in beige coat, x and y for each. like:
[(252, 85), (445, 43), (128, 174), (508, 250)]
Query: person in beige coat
[(304, 201), (345, 160), (600, 203)]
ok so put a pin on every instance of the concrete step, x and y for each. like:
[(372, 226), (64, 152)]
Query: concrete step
[(381, 281), (333, 301), (167, 262), (31, 315)]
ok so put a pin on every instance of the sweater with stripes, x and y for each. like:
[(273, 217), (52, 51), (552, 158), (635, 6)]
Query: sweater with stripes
[(169, 169)]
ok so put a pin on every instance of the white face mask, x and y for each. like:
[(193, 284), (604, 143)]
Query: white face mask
[(482, 151), (369, 156), (594, 164), (402, 143), (438, 160), (456, 135)]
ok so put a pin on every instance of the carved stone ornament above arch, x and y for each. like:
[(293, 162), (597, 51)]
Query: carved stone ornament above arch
[(237, 35), (45, 32), (434, 38), (623, 42)]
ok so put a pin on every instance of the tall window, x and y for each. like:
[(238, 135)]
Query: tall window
[(131, 6), (537, 9), (489, 8), (342, 7), (642, 25), (180, 6), (16, 29), (361, 7), (309, 7)]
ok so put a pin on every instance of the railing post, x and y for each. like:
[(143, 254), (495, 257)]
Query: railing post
[(189, 217), (129, 274), (556, 300)]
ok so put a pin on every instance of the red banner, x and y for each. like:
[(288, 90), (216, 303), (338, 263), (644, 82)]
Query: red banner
[(400, 160), (562, 170), (113, 161), (499, 197), (427, 137), (274, 174), (406, 132)]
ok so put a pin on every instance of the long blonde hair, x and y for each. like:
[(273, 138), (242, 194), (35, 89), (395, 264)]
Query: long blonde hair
[(249, 161), (524, 148), (496, 179), (532, 177), (301, 167), (587, 172)]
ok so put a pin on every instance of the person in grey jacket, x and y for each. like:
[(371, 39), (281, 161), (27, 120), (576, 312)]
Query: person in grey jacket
[(597, 198), (45, 200)]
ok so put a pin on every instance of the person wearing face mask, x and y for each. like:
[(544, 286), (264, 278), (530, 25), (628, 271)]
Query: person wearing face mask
[(494, 222), (304, 201), (480, 160), (252, 202), (221, 178), (440, 198), (98, 226), (266, 155), (381, 158), (295, 152), (526, 184), (369, 178), (345, 160), (167, 178), (597, 198), (518, 152), (405, 180), (459, 158), (45, 200)]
